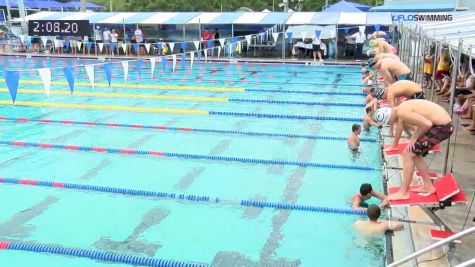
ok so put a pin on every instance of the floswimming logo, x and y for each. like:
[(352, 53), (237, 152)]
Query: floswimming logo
[(422, 17)]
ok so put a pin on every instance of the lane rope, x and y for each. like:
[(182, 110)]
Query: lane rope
[(179, 197), (179, 129), (185, 98), (95, 254), (177, 111), (126, 151)]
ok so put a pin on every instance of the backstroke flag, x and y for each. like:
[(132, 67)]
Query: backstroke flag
[(68, 73), (90, 73), (152, 66), (45, 75), (11, 79), (125, 66), (108, 72)]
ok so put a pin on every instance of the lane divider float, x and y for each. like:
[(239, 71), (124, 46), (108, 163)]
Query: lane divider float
[(180, 197), (177, 111), (95, 254), (180, 129), (184, 98), (185, 155)]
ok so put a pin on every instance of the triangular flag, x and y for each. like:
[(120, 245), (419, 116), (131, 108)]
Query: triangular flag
[(112, 46), (346, 30), (90, 73), (209, 43), (289, 36), (318, 33), (11, 79), (101, 45), (206, 55), (22, 38), (221, 41), (89, 46), (362, 28), (174, 63), (152, 66), (44, 40), (124, 48), (125, 66), (183, 46), (377, 27), (68, 45), (248, 39), (303, 35), (68, 73), (79, 46), (164, 64), (147, 47), (219, 50), (45, 75), (139, 67), (197, 44), (275, 35), (108, 72), (172, 45), (199, 55), (135, 47), (192, 58)]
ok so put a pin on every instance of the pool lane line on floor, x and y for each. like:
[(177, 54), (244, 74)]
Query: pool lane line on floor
[(179, 196), (176, 111), (107, 256), (179, 129), (183, 98), (125, 151)]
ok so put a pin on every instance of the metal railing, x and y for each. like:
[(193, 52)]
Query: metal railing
[(434, 246)]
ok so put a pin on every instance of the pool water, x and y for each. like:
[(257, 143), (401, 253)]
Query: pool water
[(219, 232)]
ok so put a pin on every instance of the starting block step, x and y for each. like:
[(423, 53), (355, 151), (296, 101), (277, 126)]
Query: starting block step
[(439, 235)]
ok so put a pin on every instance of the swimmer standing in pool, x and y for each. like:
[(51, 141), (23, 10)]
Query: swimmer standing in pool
[(353, 139), (374, 228)]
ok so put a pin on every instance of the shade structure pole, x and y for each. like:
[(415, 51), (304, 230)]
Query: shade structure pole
[(455, 69), (83, 5), (434, 70)]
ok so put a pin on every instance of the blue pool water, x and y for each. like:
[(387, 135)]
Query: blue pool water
[(221, 234)]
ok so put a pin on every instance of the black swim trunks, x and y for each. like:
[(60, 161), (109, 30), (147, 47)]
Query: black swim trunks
[(434, 136), (419, 95), (407, 77)]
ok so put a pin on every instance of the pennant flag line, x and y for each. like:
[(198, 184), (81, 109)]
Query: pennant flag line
[(11, 79), (90, 73), (125, 66), (45, 75)]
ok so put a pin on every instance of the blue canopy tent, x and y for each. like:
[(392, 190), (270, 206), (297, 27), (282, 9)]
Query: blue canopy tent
[(36, 4), (77, 5), (344, 6)]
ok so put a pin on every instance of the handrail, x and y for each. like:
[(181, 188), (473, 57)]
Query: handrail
[(467, 263), (433, 246)]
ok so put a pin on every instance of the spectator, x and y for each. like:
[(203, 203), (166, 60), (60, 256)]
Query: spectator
[(106, 36), (97, 38), (359, 38), (139, 40), (114, 37)]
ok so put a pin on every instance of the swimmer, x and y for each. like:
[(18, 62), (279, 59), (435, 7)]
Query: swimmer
[(370, 96), (386, 55), (366, 192), (407, 89), (368, 120), (393, 70), (353, 139), (432, 126), (380, 46), (374, 228)]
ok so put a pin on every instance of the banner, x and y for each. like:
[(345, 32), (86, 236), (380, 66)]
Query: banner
[(125, 66), (108, 72), (68, 73), (45, 75), (90, 73), (11, 79), (174, 63), (152, 66)]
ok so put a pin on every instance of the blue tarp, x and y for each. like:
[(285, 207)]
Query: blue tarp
[(76, 4), (275, 18), (342, 6), (415, 8)]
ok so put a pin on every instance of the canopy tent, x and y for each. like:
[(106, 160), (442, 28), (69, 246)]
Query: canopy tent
[(308, 31), (252, 18), (35, 4), (342, 6), (77, 5)]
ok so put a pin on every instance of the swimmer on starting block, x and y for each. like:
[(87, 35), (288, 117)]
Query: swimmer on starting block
[(366, 192), (432, 126), (374, 228), (392, 93)]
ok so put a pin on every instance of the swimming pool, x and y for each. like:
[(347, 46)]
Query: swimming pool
[(197, 166)]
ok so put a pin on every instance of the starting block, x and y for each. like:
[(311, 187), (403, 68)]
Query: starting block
[(439, 235), (432, 175), (402, 146), (447, 193)]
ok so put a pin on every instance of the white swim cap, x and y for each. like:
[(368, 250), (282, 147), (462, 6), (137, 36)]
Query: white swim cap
[(382, 115), (370, 82)]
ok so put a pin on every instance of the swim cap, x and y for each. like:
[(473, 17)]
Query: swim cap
[(371, 62), (379, 92), (382, 115), (371, 53), (372, 43), (370, 82)]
